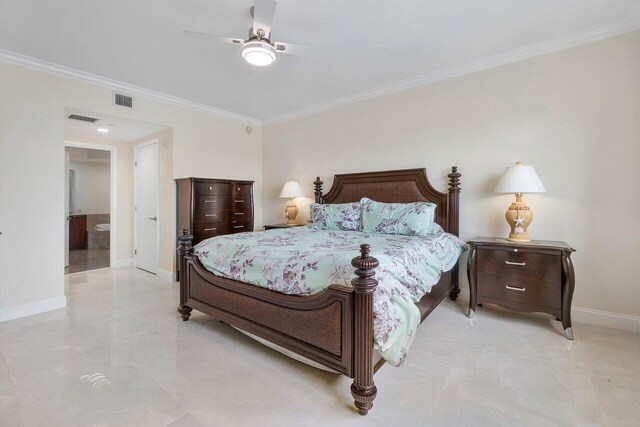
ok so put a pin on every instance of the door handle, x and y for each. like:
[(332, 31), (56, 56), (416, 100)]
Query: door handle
[(154, 218)]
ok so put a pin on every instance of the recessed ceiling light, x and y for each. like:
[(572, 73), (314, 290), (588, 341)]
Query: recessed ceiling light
[(103, 130)]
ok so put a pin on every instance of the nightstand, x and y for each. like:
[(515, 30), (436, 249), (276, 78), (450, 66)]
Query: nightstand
[(527, 277), (282, 225)]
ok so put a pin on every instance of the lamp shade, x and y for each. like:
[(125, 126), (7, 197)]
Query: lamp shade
[(520, 179), (291, 189)]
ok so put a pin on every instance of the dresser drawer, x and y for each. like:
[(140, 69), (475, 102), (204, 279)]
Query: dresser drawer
[(241, 189), (240, 226), (211, 216), (205, 231), (212, 202), (519, 264), (212, 189), (527, 290), (240, 204)]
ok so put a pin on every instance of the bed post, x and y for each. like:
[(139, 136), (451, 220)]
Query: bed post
[(184, 248), (363, 388), (453, 222), (318, 190)]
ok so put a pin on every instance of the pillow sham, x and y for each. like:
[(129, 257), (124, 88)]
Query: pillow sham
[(343, 216), (409, 219)]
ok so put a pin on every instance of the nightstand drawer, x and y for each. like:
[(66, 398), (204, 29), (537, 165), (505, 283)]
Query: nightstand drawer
[(527, 290), (519, 264)]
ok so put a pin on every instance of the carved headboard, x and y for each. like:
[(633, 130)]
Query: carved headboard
[(398, 186)]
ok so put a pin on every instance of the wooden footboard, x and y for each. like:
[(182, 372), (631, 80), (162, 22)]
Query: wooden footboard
[(319, 327)]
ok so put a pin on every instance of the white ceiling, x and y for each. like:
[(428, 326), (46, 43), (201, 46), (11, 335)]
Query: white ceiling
[(120, 129), (367, 44)]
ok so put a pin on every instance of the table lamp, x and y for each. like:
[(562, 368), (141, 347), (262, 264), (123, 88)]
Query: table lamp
[(290, 190), (519, 179)]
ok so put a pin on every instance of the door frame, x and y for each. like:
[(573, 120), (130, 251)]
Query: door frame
[(154, 141), (113, 191)]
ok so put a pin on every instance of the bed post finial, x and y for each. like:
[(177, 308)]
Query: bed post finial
[(363, 388), (453, 222), (318, 190), (185, 248)]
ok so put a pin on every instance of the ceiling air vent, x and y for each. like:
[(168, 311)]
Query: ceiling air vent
[(123, 100), (82, 118)]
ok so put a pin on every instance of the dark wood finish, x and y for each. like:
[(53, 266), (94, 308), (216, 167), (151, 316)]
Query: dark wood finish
[(334, 327), (282, 225), (213, 207), (78, 235), (363, 389), (530, 277)]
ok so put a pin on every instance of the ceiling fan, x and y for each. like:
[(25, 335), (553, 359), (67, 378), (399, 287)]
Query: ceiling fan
[(258, 49)]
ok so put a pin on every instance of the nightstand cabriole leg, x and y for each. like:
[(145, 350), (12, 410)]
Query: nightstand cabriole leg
[(568, 285), (471, 276)]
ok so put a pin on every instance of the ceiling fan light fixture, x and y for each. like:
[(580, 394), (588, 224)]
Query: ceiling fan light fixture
[(258, 52)]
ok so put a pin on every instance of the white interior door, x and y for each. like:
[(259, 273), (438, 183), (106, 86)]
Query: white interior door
[(147, 207), (67, 209)]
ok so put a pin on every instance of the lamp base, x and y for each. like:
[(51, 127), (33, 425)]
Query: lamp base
[(291, 213), (519, 216)]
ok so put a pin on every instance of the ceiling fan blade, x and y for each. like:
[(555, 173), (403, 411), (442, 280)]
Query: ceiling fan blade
[(214, 37), (263, 12), (297, 48)]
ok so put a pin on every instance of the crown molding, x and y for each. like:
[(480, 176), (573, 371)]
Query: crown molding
[(473, 66), (14, 58)]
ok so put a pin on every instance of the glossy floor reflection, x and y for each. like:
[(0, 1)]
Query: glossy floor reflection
[(499, 369)]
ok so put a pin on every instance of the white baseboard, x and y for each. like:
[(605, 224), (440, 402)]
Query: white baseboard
[(11, 313), (606, 318), (167, 275), (121, 263)]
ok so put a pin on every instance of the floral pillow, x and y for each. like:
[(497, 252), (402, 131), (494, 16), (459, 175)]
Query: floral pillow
[(344, 216), (409, 219)]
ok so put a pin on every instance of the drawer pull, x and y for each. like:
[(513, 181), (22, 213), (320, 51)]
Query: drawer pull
[(239, 201), (238, 189), (515, 263), (238, 213), (210, 188), (210, 214), (515, 288), (238, 226), (210, 201), (210, 229)]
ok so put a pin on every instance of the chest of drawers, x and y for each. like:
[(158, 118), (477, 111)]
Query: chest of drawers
[(213, 207), (535, 277)]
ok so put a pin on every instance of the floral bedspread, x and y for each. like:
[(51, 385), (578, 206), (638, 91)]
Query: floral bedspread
[(303, 261)]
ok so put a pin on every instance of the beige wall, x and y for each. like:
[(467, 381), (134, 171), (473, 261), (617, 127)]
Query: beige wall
[(574, 115), (124, 195), (32, 171)]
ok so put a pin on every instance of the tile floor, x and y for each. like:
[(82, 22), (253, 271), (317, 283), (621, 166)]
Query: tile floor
[(499, 369), (87, 259)]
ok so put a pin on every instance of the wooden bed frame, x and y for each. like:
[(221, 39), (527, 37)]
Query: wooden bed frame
[(334, 327)]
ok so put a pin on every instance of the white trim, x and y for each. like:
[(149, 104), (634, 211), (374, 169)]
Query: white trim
[(624, 322), (14, 58), (11, 313), (122, 263), (472, 66), (113, 202), (167, 275), (156, 142)]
